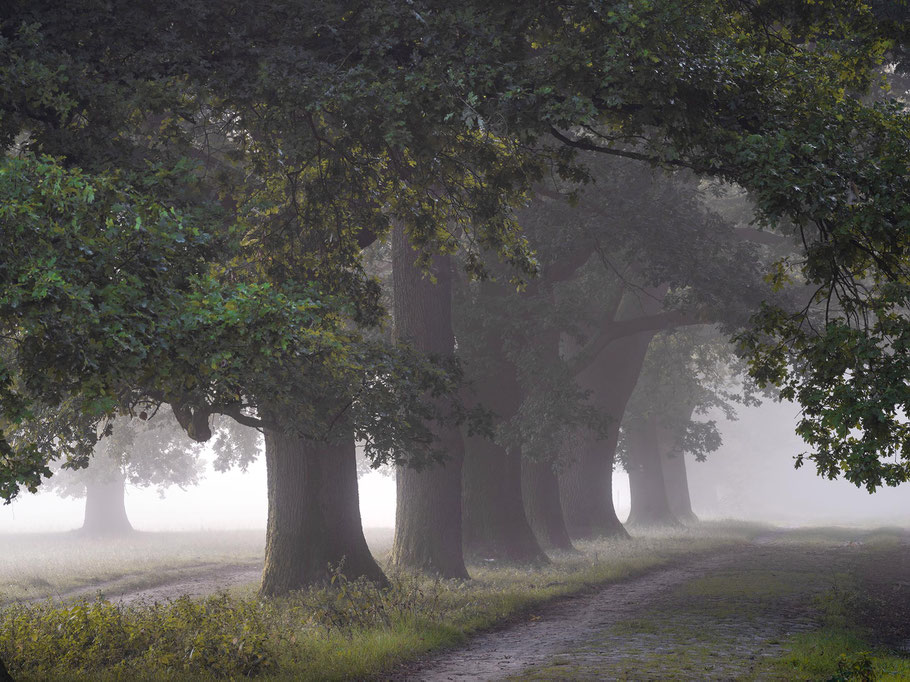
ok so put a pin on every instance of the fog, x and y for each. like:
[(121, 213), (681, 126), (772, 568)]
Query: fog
[(750, 477), (230, 500)]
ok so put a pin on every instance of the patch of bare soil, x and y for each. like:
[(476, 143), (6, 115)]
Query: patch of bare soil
[(715, 617)]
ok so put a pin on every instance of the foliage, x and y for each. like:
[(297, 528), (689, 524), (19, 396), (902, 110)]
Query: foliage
[(687, 372), (312, 127)]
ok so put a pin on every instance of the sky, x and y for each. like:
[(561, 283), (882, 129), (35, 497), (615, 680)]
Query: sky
[(750, 477)]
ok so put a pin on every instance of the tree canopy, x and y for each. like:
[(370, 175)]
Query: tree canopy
[(184, 221)]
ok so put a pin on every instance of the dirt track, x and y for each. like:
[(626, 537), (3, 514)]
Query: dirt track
[(717, 617), (195, 581)]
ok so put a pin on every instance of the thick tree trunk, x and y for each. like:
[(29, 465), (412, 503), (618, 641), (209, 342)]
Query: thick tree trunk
[(676, 481), (314, 514), (105, 506), (586, 486), (650, 506), (540, 490), (495, 525), (586, 490), (539, 483), (428, 529), (677, 484)]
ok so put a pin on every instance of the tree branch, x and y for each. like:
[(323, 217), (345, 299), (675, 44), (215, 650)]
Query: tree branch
[(617, 329), (626, 154)]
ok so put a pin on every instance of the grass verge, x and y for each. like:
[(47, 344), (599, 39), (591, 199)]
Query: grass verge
[(857, 639)]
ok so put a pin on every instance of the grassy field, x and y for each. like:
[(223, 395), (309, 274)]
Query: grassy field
[(34, 566), (350, 631)]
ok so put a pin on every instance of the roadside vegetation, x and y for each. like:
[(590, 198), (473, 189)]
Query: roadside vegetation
[(861, 619), (350, 629)]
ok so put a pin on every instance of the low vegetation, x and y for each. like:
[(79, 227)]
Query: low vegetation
[(39, 565), (349, 629), (862, 617)]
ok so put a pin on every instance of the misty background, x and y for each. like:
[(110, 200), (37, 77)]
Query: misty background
[(750, 477)]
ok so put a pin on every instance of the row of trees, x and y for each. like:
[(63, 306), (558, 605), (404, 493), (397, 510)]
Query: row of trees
[(187, 223)]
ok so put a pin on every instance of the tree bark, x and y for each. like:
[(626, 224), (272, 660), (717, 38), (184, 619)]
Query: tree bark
[(586, 490), (586, 486), (105, 506), (428, 527), (495, 525), (539, 482), (650, 506), (540, 490), (676, 480), (677, 483), (314, 514)]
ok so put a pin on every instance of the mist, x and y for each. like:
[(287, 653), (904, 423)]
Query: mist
[(221, 501), (751, 477)]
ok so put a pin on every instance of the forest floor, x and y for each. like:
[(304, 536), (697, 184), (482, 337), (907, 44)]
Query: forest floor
[(802, 604)]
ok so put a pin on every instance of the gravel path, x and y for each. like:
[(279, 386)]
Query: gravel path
[(688, 621)]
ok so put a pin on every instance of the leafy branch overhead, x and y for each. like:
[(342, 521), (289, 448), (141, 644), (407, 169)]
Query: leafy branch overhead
[(185, 222)]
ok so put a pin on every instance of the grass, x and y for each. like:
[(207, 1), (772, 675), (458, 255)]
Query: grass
[(34, 566), (853, 613), (352, 631), (842, 590), (851, 643)]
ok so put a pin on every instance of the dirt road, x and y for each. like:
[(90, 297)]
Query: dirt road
[(715, 617)]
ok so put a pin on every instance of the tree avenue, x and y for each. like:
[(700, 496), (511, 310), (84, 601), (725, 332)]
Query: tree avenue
[(185, 223)]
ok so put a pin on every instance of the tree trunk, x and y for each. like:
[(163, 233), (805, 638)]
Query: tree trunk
[(314, 514), (105, 506), (586, 486), (676, 481), (428, 528), (495, 525), (650, 506), (586, 490), (677, 484), (539, 483), (540, 490)]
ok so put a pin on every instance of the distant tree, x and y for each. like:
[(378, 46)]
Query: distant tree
[(686, 372), (144, 450), (139, 452)]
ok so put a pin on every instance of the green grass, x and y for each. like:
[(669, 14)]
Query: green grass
[(837, 653), (845, 646), (351, 631)]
